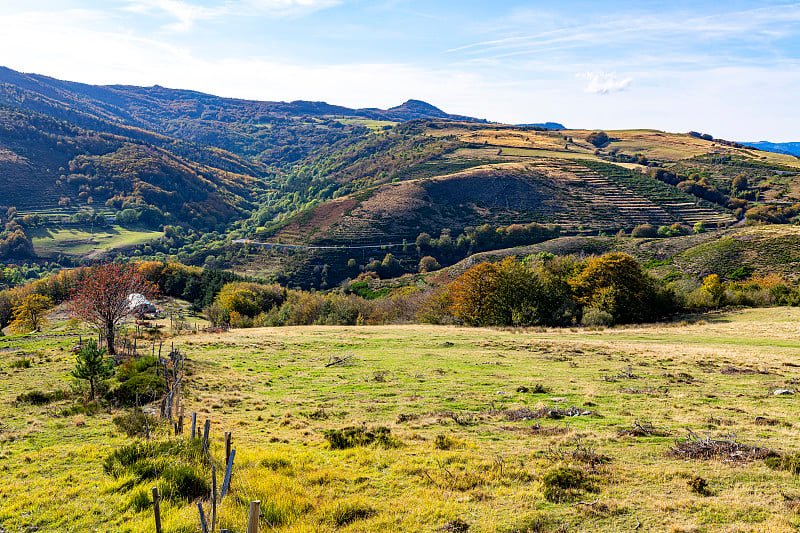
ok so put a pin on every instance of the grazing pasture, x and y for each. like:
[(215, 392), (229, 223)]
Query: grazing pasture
[(671, 427)]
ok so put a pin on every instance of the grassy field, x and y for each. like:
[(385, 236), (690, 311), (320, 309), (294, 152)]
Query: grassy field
[(82, 240), (374, 125), (462, 406)]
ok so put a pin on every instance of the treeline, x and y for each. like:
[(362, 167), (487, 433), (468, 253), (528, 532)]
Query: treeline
[(195, 285), (543, 290), (540, 290)]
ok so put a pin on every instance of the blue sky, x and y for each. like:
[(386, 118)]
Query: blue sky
[(730, 68)]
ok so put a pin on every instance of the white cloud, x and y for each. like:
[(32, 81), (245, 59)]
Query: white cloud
[(604, 82), (745, 102), (187, 14)]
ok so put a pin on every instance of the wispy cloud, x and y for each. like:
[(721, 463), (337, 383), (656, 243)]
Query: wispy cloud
[(604, 82), (629, 33)]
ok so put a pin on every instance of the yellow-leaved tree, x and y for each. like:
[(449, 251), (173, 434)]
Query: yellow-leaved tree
[(31, 313)]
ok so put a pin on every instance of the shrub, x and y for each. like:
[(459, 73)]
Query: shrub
[(444, 442), (598, 138), (699, 486), (596, 317), (184, 482), (346, 512), (563, 483), (643, 231), (340, 439), (134, 423), (135, 378), (36, 397), (790, 463), (428, 264), (140, 500), (180, 466)]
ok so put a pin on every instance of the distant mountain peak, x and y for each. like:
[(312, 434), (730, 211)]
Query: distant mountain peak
[(419, 106)]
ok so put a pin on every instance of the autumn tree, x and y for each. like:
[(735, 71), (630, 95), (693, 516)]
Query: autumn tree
[(101, 297), (428, 264), (617, 284), (472, 295), (31, 313)]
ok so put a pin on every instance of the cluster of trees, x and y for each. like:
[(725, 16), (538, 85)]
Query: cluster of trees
[(754, 291), (243, 304), (773, 214), (483, 238), (193, 284), (643, 231), (702, 187), (544, 290), (196, 285), (557, 291)]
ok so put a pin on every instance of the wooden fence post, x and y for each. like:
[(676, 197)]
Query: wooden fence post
[(255, 514), (227, 481), (179, 429), (177, 400), (156, 509), (206, 431), (213, 496), (227, 446), (203, 524), (194, 424)]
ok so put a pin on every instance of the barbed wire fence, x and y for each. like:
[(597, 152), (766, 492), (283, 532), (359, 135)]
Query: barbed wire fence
[(171, 410)]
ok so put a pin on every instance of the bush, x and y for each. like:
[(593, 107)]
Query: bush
[(595, 317), (444, 442), (135, 423), (340, 439), (643, 231), (699, 486), (428, 264), (36, 397), (790, 463), (563, 483), (135, 378), (346, 512), (184, 482), (179, 465), (598, 138), (141, 499)]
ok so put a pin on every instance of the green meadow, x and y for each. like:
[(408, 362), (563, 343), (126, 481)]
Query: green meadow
[(85, 240), (487, 430)]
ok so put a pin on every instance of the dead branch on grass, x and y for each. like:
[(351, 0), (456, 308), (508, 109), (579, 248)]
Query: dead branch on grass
[(643, 428), (336, 360), (525, 413), (625, 373), (580, 453), (724, 448)]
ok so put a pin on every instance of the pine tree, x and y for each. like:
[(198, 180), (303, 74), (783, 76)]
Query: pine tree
[(91, 364)]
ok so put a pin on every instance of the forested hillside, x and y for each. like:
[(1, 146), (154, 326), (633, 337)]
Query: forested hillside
[(165, 173)]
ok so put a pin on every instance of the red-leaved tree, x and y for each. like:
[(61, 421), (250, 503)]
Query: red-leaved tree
[(101, 297)]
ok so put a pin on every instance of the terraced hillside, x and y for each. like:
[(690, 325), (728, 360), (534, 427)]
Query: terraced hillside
[(572, 194)]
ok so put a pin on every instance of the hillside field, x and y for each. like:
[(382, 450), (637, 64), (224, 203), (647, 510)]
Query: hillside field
[(469, 448), (87, 241)]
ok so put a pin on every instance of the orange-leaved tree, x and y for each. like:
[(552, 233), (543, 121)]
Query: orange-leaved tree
[(101, 297), (472, 295)]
